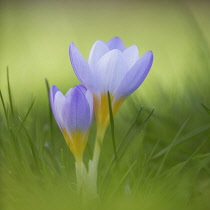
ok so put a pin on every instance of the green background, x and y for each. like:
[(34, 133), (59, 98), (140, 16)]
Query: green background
[(34, 40)]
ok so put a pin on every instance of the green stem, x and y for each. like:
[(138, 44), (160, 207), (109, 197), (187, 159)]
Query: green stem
[(97, 149), (93, 164), (81, 175), (86, 182)]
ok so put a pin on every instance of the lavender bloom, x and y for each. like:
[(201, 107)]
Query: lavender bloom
[(73, 113), (111, 67)]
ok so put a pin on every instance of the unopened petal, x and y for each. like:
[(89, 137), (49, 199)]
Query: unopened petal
[(97, 51), (53, 91), (116, 43), (76, 111), (135, 76), (89, 97), (59, 102)]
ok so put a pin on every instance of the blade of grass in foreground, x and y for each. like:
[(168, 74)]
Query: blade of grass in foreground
[(4, 107), (50, 116), (50, 113), (112, 127), (10, 94), (26, 116), (34, 149), (206, 108)]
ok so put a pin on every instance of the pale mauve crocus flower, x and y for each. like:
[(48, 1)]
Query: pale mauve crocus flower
[(113, 68)]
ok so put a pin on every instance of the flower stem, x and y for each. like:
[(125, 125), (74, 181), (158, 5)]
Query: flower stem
[(93, 164), (80, 173), (97, 149)]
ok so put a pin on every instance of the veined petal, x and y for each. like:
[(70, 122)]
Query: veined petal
[(135, 76), (116, 43), (76, 111), (59, 102), (80, 66), (97, 51), (110, 70), (131, 55)]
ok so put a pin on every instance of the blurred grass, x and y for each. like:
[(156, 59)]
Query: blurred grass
[(35, 39), (167, 164)]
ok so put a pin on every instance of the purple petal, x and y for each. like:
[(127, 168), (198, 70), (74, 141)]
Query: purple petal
[(116, 43), (59, 102), (97, 51), (82, 88), (68, 93), (135, 76), (80, 66), (131, 55), (89, 98), (53, 91), (110, 70), (76, 111)]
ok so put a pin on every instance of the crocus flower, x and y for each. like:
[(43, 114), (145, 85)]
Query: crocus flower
[(112, 68), (73, 113)]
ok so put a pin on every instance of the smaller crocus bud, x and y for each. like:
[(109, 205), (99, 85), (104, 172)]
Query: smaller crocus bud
[(73, 113)]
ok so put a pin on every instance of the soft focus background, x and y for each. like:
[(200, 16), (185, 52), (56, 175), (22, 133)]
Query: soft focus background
[(34, 40)]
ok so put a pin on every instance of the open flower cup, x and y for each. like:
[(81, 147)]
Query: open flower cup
[(113, 68)]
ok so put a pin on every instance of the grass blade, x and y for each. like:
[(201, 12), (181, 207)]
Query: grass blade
[(112, 127), (4, 107), (144, 169), (123, 178), (130, 129), (171, 146), (177, 168), (124, 138), (33, 148), (125, 148), (50, 115), (26, 116), (183, 139), (136, 132), (206, 108), (10, 94)]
